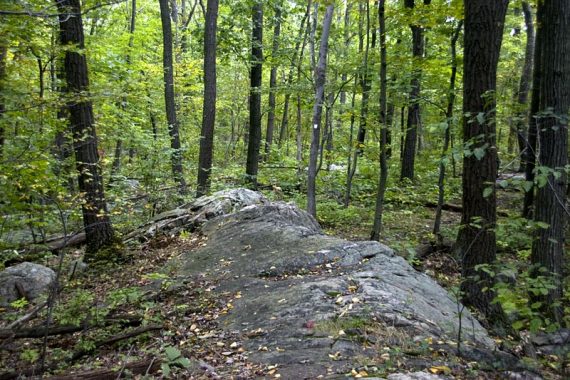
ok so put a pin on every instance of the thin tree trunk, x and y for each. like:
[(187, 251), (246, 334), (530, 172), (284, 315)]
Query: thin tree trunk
[(411, 139), (447, 137), (548, 246), (116, 166), (3, 58), (273, 83), (365, 86), (379, 210), (530, 151), (476, 241), (209, 105), (521, 117), (173, 126), (296, 62), (320, 79), (252, 164), (98, 229)]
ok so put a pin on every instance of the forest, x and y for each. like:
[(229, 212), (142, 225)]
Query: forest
[(436, 127)]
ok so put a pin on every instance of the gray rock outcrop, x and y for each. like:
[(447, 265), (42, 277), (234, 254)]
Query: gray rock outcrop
[(33, 279), (297, 285)]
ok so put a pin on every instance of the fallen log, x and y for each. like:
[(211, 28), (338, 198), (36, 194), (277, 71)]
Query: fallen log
[(41, 331), (81, 353), (456, 208), (141, 367)]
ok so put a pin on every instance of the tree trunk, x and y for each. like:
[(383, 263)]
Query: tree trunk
[(173, 127), (476, 242), (548, 247), (3, 58), (209, 105), (521, 117), (530, 151), (255, 95), (320, 79), (379, 210), (116, 166), (296, 62), (365, 86), (447, 137), (411, 139), (98, 229), (273, 83)]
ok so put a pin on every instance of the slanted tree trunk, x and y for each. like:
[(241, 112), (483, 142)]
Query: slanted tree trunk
[(320, 79), (411, 139), (476, 242), (548, 247), (98, 229), (252, 163), (379, 210), (521, 116), (447, 137), (173, 127), (273, 83), (209, 105)]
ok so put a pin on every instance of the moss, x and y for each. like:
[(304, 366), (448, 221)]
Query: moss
[(113, 252)]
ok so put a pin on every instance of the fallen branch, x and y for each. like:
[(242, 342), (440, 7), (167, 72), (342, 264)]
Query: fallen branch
[(26, 317)]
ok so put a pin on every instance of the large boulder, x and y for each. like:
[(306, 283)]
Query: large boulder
[(33, 279), (294, 282)]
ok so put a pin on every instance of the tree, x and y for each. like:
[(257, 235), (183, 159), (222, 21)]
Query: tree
[(476, 241), (273, 82), (173, 127), (3, 58), (410, 143), (98, 229), (447, 136), (252, 163), (379, 210), (554, 95), (320, 79), (209, 105)]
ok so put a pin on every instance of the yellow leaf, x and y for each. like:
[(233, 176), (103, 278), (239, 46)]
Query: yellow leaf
[(440, 369)]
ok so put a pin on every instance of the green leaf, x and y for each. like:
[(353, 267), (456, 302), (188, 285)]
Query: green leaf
[(479, 153), (183, 362), (172, 353), (487, 191), (481, 118), (535, 324), (517, 325), (165, 369), (527, 186)]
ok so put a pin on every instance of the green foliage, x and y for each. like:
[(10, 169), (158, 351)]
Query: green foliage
[(173, 359)]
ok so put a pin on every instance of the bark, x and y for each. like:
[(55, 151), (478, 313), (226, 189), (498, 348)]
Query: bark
[(209, 105), (447, 137), (252, 164), (548, 247), (411, 139), (170, 107), (98, 229), (320, 79), (476, 242), (379, 209), (273, 83)]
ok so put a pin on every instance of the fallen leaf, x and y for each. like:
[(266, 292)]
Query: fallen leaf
[(440, 369)]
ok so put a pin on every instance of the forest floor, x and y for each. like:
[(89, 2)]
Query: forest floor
[(128, 326)]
